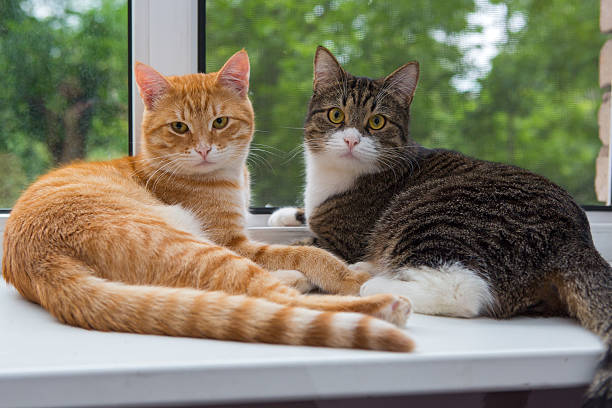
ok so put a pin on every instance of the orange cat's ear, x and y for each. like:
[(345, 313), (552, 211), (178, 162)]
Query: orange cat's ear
[(403, 81), (152, 84), (235, 73), (327, 69)]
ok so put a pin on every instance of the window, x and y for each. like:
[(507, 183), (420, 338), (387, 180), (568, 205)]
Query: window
[(501, 80), (508, 81), (64, 86)]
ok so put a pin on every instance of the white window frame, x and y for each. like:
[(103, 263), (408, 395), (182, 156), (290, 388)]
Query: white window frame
[(165, 36)]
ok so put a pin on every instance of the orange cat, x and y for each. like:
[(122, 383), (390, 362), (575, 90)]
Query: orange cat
[(157, 243)]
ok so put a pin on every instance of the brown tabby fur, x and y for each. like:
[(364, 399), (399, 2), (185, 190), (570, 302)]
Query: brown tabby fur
[(522, 234), (99, 245)]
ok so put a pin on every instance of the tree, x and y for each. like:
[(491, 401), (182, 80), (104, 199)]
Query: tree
[(538, 104), (66, 83)]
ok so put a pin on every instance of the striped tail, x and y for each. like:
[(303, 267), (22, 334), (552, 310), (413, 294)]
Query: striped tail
[(587, 290), (83, 300)]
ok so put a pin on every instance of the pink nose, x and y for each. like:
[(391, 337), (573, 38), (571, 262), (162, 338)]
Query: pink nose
[(203, 150), (351, 142)]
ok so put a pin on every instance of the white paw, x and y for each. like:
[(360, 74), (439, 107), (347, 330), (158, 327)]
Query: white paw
[(294, 279), (397, 312), (284, 217)]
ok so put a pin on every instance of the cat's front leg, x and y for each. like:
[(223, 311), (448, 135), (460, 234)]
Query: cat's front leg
[(294, 279), (322, 268)]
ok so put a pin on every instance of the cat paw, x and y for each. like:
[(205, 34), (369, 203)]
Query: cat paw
[(294, 279), (286, 217), (352, 283), (396, 310)]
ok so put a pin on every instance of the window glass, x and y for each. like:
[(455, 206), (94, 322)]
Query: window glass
[(64, 84), (506, 80)]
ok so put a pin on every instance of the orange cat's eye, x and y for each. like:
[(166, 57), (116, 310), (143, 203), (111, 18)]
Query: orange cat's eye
[(179, 127), (220, 122), (376, 122), (335, 115)]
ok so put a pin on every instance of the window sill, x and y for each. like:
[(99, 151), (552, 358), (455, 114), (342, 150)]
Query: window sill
[(76, 367)]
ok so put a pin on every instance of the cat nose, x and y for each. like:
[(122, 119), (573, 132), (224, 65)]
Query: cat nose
[(351, 141), (203, 150)]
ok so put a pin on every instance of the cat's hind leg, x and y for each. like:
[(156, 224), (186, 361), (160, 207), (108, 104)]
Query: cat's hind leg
[(448, 290)]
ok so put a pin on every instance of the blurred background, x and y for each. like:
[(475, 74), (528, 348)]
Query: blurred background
[(510, 80)]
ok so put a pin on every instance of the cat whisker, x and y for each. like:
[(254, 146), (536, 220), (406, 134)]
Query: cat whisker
[(167, 174), (261, 150), (293, 153), (265, 146), (259, 161), (291, 128), (156, 171)]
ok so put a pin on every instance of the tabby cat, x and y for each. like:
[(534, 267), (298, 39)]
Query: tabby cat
[(456, 235), (157, 243)]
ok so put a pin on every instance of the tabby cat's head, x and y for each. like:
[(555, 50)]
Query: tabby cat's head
[(198, 123), (356, 123)]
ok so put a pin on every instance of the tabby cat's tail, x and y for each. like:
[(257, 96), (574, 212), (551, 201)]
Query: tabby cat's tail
[(587, 290), (86, 301)]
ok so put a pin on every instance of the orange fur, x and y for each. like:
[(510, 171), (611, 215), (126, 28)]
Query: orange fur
[(157, 243)]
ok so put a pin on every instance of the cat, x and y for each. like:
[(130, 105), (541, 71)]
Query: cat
[(456, 235), (157, 243)]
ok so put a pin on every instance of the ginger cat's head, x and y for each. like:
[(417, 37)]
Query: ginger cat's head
[(199, 123)]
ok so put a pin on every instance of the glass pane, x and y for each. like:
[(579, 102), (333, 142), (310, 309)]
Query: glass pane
[(64, 84), (506, 80)]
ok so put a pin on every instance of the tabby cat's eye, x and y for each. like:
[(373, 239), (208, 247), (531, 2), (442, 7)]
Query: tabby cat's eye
[(179, 127), (376, 122), (335, 115), (220, 122)]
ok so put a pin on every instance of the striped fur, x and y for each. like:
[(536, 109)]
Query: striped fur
[(427, 215), (157, 243)]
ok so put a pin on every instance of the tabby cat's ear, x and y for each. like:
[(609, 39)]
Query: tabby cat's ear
[(235, 73), (403, 81), (327, 69), (152, 84)]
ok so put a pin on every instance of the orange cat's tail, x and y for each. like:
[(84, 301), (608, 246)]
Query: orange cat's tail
[(86, 301)]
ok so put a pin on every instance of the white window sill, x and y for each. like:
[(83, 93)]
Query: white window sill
[(45, 363)]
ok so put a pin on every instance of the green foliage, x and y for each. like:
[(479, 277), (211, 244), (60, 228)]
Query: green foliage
[(536, 107), (65, 86), (65, 82)]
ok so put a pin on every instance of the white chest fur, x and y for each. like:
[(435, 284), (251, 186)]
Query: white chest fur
[(324, 180), (181, 219)]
